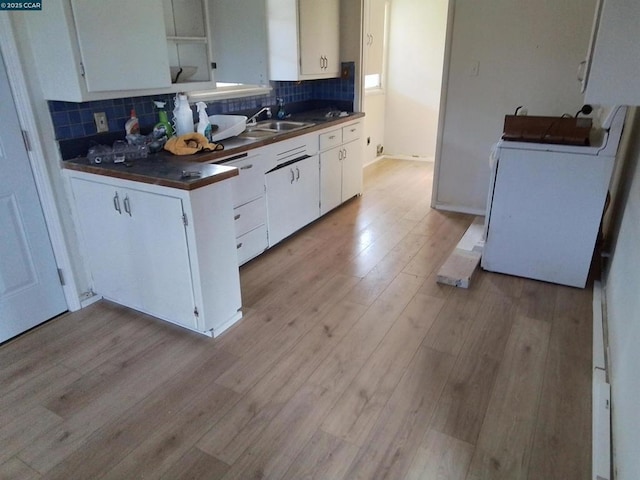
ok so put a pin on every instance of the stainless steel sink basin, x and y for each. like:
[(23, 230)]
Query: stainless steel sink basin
[(281, 125), (256, 134), (271, 128)]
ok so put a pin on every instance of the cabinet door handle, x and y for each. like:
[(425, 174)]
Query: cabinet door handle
[(292, 175), (239, 246), (298, 174), (321, 62), (344, 155), (116, 203), (127, 205), (371, 35), (236, 217), (246, 167), (340, 155)]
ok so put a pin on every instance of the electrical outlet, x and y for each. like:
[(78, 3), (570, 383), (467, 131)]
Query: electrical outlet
[(101, 122)]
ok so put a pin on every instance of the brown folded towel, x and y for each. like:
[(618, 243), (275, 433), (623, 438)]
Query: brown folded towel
[(190, 143)]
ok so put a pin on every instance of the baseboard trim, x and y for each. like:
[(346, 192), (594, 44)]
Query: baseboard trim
[(399, 157), (601, 391)]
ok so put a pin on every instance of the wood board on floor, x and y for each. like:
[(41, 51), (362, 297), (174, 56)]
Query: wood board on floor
[(458, 269)]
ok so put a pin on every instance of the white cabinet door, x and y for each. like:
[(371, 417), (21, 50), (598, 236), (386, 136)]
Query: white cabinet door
[(136, 246), (351, 170), (122, 44), (292, 197), (243, 61), (374, 35), (158, 250), (304, 39), (330, 179), (319, 36), (107, 244)]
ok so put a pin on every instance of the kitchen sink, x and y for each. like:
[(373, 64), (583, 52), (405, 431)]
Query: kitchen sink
[(280, 125), (256, 134), (271, 128)]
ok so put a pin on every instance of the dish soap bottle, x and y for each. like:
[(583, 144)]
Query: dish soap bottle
[(163, 127), (182, 115), (132, 126), (281, 114), (204, 125)]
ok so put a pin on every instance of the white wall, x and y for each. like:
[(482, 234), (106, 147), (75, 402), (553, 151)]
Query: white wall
[(528, 53), (414, 74), (374, 124), (622, 289)]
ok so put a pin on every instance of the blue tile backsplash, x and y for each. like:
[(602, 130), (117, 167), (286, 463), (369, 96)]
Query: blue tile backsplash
[(75, 120)]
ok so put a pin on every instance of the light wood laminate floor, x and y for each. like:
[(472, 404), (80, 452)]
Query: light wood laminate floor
[(351, 362)]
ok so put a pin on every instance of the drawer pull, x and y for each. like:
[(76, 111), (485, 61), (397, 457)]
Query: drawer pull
[(236, 217), (239, 246), (246, 167), (331, 137)]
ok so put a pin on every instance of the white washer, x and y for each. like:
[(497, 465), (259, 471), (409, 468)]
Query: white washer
[(545, 205)]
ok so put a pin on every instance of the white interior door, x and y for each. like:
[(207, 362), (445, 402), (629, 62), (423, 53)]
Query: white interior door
[(30, 290)]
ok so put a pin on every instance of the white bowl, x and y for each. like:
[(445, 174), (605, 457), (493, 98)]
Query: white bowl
[(185, 75)]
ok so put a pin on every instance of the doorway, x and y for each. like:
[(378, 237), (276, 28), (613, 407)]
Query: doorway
[(402, 115)]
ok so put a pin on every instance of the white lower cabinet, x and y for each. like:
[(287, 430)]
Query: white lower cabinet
[(293, 196), (340, 166), (163, 251)]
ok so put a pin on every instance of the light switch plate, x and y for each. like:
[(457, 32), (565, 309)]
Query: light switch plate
[(101, 122)]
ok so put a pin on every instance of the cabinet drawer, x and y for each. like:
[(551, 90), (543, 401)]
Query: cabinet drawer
[(351, 132), (251, 244), (249, 184), (250, 215), (330, 139), (295, 148)]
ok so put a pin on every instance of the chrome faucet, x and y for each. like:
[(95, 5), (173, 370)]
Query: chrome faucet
[(252, 119)]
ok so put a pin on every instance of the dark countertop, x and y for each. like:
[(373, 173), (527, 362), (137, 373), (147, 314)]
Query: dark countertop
[(159, 169), (166, 169)]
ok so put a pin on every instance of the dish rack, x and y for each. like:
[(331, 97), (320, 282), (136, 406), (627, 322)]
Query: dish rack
[(228, 126)]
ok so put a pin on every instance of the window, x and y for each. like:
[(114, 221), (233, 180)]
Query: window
[(372, 81)]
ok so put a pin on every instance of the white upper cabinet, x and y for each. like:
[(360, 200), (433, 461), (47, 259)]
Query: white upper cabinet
[(615, 64), (374, 31), (87, 50), (304, 39)]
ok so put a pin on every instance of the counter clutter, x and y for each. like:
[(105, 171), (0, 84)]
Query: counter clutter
[(163, 168), (172, 231)]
